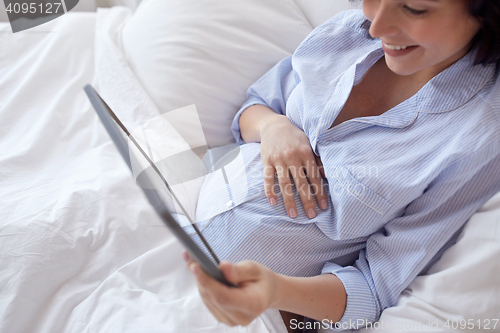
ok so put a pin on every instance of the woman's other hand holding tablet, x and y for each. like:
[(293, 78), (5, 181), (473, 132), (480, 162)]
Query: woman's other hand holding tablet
[(285, 152), (256, 287), (321, 297)]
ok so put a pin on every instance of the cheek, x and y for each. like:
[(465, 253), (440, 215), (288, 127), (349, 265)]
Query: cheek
[(456, 33), (469, 31), (452, 43), (436, 43)]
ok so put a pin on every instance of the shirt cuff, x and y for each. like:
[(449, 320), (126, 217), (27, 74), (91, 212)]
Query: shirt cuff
[(235, 126), (361, 307)]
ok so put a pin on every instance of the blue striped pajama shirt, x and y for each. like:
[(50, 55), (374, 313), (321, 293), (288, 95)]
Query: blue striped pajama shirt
[(401, 185)]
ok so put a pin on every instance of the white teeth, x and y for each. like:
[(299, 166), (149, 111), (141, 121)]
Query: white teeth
[(395, 47)]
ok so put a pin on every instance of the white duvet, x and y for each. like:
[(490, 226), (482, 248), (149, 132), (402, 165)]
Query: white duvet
[(81, 250)]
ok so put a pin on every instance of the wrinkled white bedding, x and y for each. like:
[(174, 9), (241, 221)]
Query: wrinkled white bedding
[(81, 250)]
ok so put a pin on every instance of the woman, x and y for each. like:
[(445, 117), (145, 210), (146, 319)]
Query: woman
[(404, 114)]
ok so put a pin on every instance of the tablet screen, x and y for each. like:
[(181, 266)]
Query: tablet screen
[(155, 186)]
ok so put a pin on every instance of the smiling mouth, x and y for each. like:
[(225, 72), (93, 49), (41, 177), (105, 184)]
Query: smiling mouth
[(397, 47)]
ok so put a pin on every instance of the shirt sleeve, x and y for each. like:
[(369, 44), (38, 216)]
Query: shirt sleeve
[(271, 90), (407, 245)]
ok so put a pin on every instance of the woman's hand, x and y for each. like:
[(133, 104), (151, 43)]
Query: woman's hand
[(286, 151), (256, 286)]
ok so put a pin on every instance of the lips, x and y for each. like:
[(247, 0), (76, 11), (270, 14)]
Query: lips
[(395, 47), (398, 50)]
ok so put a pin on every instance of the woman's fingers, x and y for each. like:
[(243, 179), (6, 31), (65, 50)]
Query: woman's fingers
[(315, 178), (207, 297), (243, 271), (236, 305), (269, 172), (294, 162), (217, 312), (304, 190), (231, 306), (286, 151), (307, 187), (206, 287), (286, 190)]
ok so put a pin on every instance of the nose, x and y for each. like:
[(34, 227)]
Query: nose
[(384, 22)]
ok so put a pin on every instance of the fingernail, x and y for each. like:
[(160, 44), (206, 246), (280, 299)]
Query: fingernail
[(185, 256), (310, 213), (194, 269), (323, 204), (292, 212), (272, 201)]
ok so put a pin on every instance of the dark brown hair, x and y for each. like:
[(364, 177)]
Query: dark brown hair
[(487, 40)]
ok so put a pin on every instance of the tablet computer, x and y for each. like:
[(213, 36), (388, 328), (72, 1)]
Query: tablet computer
[(117, 131)]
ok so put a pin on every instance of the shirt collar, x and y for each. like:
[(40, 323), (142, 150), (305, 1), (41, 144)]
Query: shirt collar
[(454, 86), (399, 116), (448, 90)]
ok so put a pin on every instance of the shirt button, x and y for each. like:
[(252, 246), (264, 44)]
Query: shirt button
[(229, 203)]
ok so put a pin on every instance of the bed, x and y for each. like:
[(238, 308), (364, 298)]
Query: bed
[(81, 250)]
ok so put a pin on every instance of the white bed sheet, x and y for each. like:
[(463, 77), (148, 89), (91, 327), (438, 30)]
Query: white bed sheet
[(461, 289), (81, 250)]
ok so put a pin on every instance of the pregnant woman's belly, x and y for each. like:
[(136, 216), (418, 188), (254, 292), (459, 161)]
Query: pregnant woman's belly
[(240, 224)]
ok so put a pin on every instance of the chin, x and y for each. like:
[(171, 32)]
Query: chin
[(400, 69)]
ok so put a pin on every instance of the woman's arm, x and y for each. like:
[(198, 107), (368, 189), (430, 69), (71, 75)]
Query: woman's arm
[(320, 297), (285, 149), (254, 118)]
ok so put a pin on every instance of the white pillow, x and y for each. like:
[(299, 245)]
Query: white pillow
[(208, 52), (319, 11)]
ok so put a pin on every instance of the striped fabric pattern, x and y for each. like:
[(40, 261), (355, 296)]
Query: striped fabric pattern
[(401, 185)]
